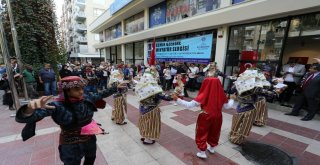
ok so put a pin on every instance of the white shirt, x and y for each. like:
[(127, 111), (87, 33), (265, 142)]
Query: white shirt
[(289, 77), (167, 74), (193, 72)]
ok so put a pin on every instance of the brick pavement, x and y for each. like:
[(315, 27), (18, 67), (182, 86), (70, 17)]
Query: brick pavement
[(300, 139)]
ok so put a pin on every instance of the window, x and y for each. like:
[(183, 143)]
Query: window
[(134, 23), (97, 12), (96, 37)]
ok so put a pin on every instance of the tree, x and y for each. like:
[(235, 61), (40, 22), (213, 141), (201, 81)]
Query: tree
[(38, 34)]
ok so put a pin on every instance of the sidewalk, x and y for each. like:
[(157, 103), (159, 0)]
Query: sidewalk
[(176, 145)]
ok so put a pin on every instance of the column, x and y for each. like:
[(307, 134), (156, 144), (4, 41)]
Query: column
[(123, 52), (122, 28), (146, 18), (145, 47), (221, 47)]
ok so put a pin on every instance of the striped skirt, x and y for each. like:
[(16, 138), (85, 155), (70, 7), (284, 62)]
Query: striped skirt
[(241, 126), (150, 124), (119, 109), (261, 113)]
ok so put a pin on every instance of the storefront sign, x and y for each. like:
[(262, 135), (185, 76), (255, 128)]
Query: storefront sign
[(196, 49), (117, 5), (157, 14)]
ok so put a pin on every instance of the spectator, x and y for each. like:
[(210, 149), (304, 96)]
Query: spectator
[(7, 97), (167, 78), (310, 94), (292, 73), (91, 77), (192, 72), (64, 72), (31, 82), (47, 77)]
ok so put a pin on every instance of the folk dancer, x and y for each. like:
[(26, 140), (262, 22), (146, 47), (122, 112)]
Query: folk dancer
[(73, 112), (150, 96)]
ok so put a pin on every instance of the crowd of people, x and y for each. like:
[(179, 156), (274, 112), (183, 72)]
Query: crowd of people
[(81, 89)]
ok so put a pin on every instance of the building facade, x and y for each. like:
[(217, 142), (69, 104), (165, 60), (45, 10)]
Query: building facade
[(245, 32), (77, 14)]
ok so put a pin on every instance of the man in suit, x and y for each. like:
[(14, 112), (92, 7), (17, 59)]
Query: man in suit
[(292, 74), (310, 94)]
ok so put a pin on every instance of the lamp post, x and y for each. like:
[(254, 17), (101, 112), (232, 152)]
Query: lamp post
[(16, 47)]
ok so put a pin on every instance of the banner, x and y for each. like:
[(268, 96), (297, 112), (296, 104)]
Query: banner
[(196, 49), (157, 14)]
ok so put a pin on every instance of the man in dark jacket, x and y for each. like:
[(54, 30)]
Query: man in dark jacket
[(310, 94)]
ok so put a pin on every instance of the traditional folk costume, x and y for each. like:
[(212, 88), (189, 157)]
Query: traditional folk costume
[(211, 70), (74, 116), (252, 104), (120, 99), (211, 98), (150, 96)]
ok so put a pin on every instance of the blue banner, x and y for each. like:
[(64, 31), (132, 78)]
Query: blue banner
[(196, 49), (117, 5), (157, 14)]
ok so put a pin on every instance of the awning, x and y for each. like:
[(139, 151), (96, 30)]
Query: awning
[(79, 55)]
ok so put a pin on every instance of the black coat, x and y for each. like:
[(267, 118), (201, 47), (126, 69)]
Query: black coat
[(313, 89)]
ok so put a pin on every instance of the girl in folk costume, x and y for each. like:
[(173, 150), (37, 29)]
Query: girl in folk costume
[(120, 100), (179, 85), (211, 70), (211, 98), (73, 112), (252, 105), (150, 95)]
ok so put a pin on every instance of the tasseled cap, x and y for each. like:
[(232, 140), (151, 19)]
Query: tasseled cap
[(71, 82)]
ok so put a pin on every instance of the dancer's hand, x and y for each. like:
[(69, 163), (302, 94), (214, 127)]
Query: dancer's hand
[(174, 97), (40, 103), (318, 60), (123, 85), (233, 97)]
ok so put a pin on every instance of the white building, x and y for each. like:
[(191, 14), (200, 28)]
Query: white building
[(77, 14), (244, 31)]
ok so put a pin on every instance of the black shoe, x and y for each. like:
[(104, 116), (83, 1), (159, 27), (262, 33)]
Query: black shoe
[(142, 139), (306, 118), (124, 123), (292, 114)]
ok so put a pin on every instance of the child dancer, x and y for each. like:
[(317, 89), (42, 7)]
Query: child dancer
[(211, 98), (73, 113), (120, 100), (149, 93)]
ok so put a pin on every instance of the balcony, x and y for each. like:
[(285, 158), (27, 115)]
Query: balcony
[(80, 16), (80, 28), (82, 40)]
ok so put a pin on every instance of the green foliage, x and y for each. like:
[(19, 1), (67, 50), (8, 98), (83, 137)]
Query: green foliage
[(37, 32)]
